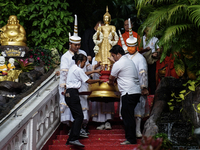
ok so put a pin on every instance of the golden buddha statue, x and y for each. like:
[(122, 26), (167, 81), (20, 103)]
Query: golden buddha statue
[(104, 39), (13, 33)]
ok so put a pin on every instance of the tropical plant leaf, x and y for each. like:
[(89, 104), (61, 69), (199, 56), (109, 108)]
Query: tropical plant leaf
[(194, 12), (192, 88), (182, 96), (183, 91), (179, 67)]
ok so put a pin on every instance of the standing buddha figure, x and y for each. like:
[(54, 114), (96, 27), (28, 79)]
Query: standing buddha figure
[(104, 39)]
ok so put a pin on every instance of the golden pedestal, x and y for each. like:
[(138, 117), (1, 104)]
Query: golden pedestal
[(103, 92)]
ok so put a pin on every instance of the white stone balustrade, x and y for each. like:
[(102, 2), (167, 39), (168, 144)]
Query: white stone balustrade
[(35, 122)]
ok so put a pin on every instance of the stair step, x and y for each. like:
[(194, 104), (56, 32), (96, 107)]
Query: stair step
[(94, 131), (96, 136), (94, 126), (94, 142), (89, 147)]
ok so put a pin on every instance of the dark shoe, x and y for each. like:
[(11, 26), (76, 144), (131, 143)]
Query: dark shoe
[(126, 143), (83, 133), (86, 131), (69, 131), (76, 142)]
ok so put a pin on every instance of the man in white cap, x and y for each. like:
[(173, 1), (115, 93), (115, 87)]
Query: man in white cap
[(141, 110), (66, 63)]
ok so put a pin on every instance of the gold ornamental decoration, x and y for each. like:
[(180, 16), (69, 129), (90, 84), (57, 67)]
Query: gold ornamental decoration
[(104, 39), (13, 33)]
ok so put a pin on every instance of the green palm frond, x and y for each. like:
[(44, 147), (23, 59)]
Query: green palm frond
[(142, 3), (174, 30), (174, 9), (154, 20), (194, 14)]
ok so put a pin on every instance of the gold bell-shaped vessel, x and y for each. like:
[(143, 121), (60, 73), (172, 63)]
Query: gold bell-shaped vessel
[(103, 92)]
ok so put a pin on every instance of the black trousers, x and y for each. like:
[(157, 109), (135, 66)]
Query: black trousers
[(73, 101), (129, 103), (152, 78)]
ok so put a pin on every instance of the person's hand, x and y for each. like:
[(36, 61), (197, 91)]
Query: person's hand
[(57, 73), (89, 58), (148, 48), (145, 91), (101, 81), (109, 83), (98, 64), (155, 54), (111, 59), (98, 71), (63, 93)]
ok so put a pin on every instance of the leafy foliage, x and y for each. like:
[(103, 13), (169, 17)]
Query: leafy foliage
[(89, 12), (176, 23), (42, 57), (159, 141), (166, 143), (190, 86), (25, 65), (46, 21), (150, 143)]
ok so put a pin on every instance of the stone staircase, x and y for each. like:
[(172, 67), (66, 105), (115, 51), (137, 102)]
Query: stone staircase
[(98, 139)]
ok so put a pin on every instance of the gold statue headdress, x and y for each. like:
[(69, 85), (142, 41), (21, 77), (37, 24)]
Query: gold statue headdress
[(107, 14)]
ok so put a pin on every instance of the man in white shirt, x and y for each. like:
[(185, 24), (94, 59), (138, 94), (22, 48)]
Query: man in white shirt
[(125, 72), (141, 66), (151, 44), (66, 63)]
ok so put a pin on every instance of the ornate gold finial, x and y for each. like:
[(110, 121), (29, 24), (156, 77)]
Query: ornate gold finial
[(107, 17), (107, 13)]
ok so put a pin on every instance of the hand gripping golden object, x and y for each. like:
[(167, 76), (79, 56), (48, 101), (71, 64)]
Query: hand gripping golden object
[(13, 33)]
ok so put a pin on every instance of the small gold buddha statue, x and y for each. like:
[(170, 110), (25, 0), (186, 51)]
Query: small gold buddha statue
[(13, 33), (104, 39)]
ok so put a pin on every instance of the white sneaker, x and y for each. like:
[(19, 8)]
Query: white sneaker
[(108, 126), (138, 134), (101, 127)]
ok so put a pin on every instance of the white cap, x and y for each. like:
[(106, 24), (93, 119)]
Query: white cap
[(122, 41), (131, 41), (75, 38)]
